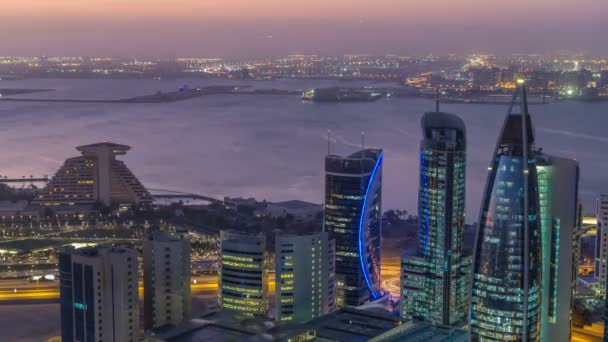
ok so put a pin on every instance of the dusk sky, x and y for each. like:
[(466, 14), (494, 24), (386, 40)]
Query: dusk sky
[(237, 28)]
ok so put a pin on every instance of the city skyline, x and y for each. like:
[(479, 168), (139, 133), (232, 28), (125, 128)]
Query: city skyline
[(353, 215), (277, 170)]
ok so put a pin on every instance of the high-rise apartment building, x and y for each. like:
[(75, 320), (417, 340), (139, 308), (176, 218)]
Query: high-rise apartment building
[(166, 263), (434, 279), (558, 180), (601, 253), (99, 294), (601, 244), (353, 210), (506, 282), (305, 281), (95, 177), (243, 280)]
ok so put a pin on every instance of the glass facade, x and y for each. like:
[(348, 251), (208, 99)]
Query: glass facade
[(353, 209), (506, 282), (435, 280), (66, 300), (601, 252), (602, 223), (243, 279)]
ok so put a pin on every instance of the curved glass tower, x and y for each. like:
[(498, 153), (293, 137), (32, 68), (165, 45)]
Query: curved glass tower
[(506, 283), (353, 209), (434, 280)]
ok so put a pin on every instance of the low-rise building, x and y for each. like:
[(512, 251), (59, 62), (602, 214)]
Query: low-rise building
[(295, 208)]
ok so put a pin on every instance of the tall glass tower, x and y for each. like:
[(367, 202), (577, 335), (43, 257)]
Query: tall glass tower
[(353, 209), (558, 180), (434, 280), (506, 282)]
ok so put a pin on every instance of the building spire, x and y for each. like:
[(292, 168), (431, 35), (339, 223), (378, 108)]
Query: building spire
[(363, 140), (329, 142), (437, 100)]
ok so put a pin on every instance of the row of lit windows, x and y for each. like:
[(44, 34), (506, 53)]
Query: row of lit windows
[(240, 264), (246, 302), (238, 258), (241, 289)]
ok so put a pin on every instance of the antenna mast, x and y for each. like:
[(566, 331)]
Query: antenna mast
[(328, 142), (363, 140), (437, 100)]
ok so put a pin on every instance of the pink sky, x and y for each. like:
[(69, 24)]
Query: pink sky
[(238, 27), (301, 9)]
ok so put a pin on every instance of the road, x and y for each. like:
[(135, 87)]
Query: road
[(20, 289), (15, 290), (391, 272), (593, 333)]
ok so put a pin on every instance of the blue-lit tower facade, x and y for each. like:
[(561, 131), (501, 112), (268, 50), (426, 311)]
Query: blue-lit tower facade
[(435, 278), (353, 209), (506, 280)]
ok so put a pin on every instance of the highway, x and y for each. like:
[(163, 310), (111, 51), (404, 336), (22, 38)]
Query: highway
[(22, 289), (594, 333), (391, 272), (15, 290)]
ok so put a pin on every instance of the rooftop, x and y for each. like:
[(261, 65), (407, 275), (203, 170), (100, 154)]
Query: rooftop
[(93, 251), (217, 326), (344, 325), (442, 120), (165, 236), (296, 204), (95, 148)]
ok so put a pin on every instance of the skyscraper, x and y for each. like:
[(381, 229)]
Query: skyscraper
[(561, 230), (506, 282), (99, 294), (601, 243), (601, 213), (304, 276), (243, 277), (353, 209), (166, 279), (96, 176), (435, 278)]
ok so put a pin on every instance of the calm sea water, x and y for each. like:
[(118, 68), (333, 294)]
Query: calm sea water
[(273, 147)]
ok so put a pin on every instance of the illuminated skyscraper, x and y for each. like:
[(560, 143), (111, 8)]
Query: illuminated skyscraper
[(353, 209), (561, 231), (99, 294), (166, 279), (243, 279), (435, 279), (601, 213), (601, 243), (304, 276), (96, 176), (506, 282)]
